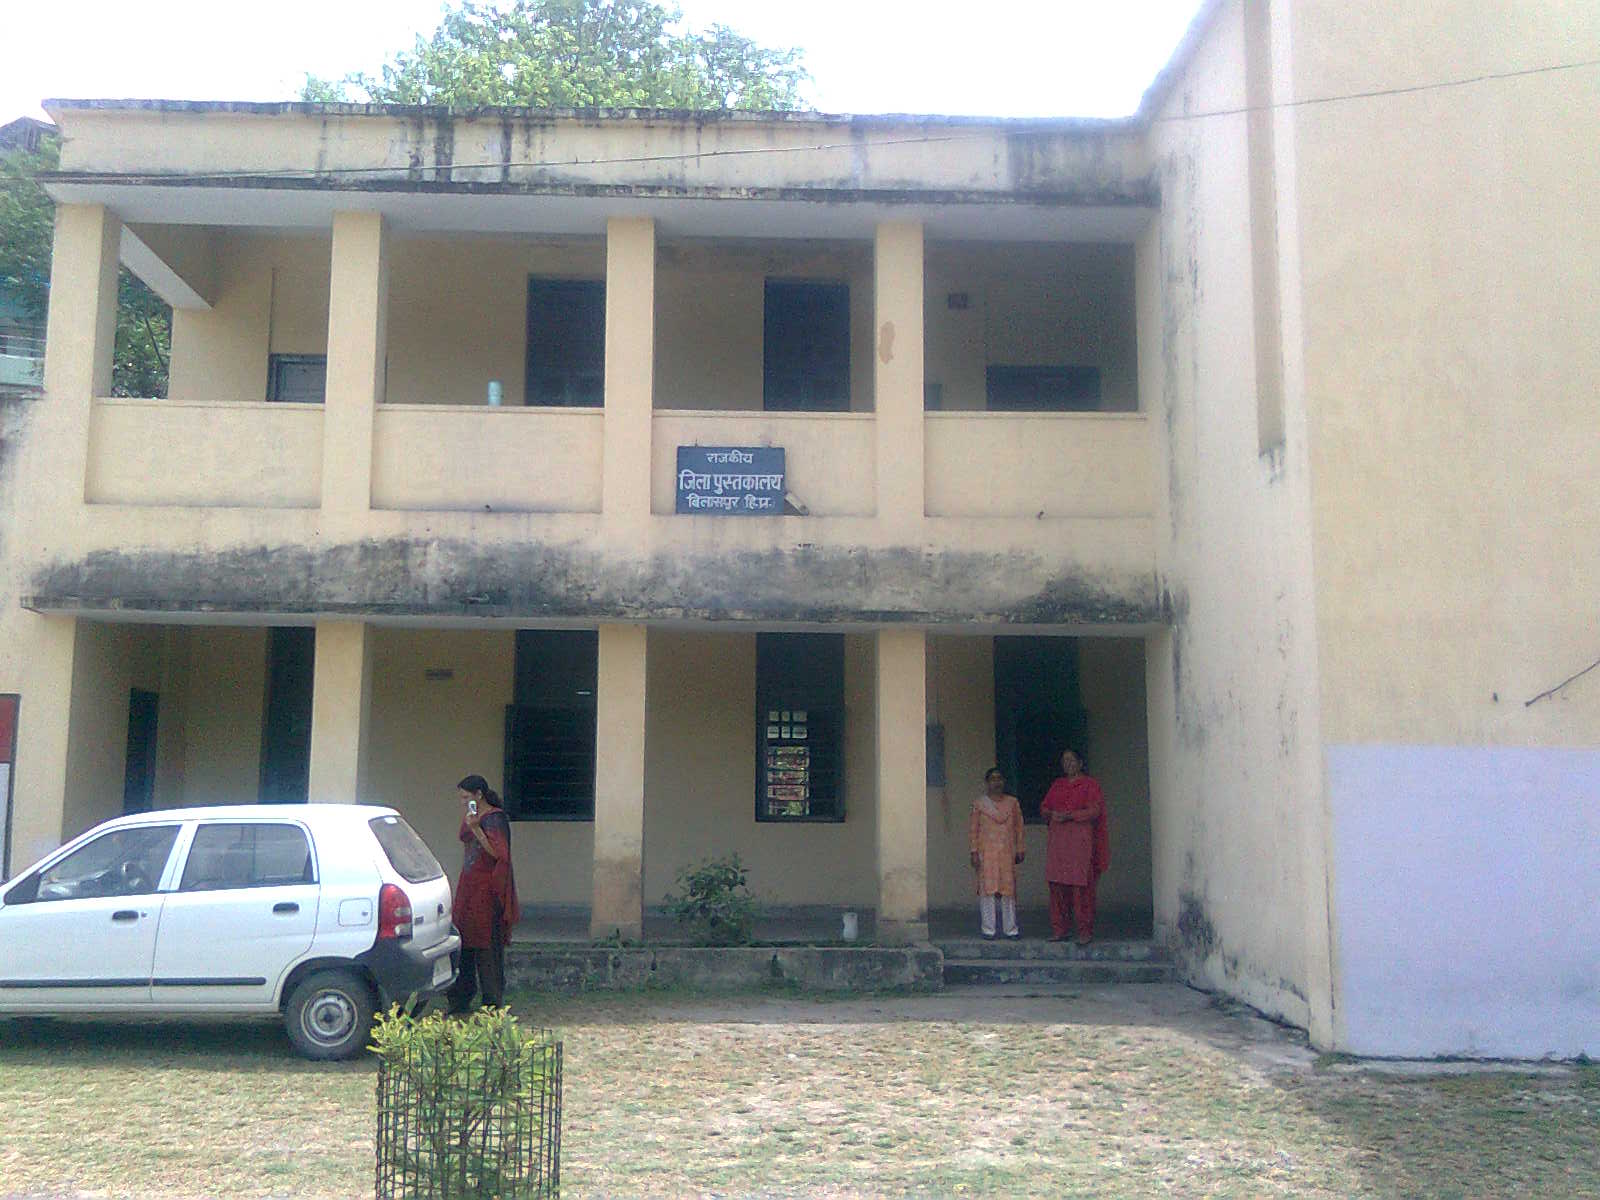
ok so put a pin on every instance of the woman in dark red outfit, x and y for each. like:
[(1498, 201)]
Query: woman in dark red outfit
[(486, 896), (1077, 848)]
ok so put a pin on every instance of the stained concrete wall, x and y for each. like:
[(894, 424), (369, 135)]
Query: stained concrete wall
[(1237, 810), (1451, 366)]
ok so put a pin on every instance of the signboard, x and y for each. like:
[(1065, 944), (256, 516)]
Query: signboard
[(731, 481), (8, 755)]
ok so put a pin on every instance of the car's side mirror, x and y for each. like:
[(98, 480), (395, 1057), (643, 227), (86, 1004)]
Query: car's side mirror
[(24, 890)]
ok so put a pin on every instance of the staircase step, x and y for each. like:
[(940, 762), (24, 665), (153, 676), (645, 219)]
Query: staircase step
[(1038, 949), (1054, 971)]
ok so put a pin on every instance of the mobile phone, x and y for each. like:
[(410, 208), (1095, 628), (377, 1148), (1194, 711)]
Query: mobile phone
[(472, 808)]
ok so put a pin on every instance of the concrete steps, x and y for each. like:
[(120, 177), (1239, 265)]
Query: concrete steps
[(1000, 962)]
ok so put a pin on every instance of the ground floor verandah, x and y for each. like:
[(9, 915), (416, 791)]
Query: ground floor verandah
[(900, 725)]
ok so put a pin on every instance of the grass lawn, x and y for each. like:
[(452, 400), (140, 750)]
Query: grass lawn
[(1094, 1095)]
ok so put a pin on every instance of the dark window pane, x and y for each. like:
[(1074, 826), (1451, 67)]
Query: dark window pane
[(550, 727), (806, 347), (1043, 389), (297, 378), (566, 342)]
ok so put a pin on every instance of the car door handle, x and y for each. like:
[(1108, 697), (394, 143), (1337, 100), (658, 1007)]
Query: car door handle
[(286, 906), (124, 914)]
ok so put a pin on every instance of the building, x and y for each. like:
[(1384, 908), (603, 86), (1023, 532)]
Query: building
[(1249, 441)]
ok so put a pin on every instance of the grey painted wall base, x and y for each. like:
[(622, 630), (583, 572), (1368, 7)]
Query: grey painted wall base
[(810, 968)]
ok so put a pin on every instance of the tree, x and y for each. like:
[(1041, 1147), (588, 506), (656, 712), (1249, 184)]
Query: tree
[(27, 231), (577, 54)]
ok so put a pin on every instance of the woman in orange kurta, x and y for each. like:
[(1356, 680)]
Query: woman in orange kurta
[(994, 835), (1078, 850)]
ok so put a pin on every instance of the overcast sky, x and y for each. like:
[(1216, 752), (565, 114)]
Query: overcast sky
[(1028, 57)]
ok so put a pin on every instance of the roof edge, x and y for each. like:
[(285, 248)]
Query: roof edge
[(711, 116), (1167, 78)]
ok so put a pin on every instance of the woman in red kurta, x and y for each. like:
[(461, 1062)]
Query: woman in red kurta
[(1078, 848), (486, 896)]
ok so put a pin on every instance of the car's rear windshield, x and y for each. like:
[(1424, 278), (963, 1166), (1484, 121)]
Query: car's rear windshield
[(408, 854)]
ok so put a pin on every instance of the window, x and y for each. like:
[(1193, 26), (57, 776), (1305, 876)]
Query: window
[(806, 347), (243, 856), (408, 854), (1037, 713), (1043, 389), (566, 342), (799, 727), (297, 378), (550, 726), (124, 862)]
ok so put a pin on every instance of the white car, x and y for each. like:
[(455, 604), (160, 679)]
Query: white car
[(320, 912)]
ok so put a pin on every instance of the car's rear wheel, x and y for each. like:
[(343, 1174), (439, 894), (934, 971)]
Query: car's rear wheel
[(329, 1015)]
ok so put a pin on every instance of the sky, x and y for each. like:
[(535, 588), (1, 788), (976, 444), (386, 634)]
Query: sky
[(1061, 58)]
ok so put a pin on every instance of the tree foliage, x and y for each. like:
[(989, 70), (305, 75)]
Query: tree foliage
[(577, 54), (27, 226), (27, 233)]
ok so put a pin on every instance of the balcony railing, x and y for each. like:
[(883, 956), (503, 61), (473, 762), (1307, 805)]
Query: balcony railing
[(245, 455), (1038, 465), (449, 458)]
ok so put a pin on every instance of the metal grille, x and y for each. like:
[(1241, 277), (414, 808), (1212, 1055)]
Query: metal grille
[(469, 1117)]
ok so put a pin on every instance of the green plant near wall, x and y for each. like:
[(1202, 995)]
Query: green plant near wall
[(467, 1108), (713, 902)]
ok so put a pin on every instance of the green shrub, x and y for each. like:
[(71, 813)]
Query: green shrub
[(467, 1107), (715, 905)]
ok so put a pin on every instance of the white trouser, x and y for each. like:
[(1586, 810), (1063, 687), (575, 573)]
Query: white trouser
[(1008, 915)]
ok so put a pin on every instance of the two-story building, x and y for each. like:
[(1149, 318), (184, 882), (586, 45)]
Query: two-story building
[(752, 482)]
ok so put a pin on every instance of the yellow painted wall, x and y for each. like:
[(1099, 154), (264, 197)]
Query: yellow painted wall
[(1030, 305), (710, 299), (224, 703), (1452, 361), (428, 734), (272, 297), (108, 662)]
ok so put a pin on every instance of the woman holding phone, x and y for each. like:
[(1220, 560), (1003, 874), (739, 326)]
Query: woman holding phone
[(486, 896)]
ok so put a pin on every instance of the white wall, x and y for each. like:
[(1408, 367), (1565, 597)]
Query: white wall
[(1468, 899)]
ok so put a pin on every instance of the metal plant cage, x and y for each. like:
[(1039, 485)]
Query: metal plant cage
[(459, 1120)]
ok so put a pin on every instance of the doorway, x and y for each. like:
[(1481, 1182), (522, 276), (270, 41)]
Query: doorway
[(286, 721), (139, 770)]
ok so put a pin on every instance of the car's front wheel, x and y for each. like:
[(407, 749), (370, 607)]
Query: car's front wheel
[(329, 1015)]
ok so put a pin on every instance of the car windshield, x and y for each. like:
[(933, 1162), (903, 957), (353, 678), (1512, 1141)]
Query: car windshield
[(408, 854)]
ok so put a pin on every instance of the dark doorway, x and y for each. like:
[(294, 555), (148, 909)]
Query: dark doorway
[(1037, 713), (139, 775), (806, 347), (286, 725)]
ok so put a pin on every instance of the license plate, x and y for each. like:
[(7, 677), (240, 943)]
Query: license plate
[(441, 970)]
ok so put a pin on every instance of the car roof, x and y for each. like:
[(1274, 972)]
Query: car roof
[(309, 814)]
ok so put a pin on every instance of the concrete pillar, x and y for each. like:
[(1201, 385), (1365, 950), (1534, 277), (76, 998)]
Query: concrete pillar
[(619, 784), (630, 368), (39, 784), (341, 701), (897, 367), (902, 833), (80, 336), (358, 339)]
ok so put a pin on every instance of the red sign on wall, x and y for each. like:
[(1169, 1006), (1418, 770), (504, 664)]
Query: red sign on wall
[(8, 730)]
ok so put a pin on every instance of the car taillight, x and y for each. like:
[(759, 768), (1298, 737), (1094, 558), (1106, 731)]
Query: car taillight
[(394, 912)]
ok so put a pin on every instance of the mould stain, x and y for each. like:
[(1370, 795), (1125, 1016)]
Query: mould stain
[(457, 578)]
